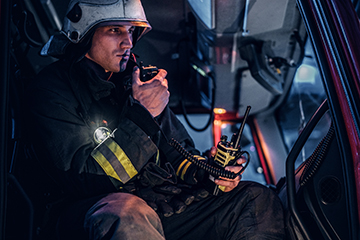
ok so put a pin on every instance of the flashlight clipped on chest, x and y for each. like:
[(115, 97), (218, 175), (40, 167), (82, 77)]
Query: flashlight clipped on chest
[(101, 133)]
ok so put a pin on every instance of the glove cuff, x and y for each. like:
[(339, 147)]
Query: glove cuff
[(189, 172)]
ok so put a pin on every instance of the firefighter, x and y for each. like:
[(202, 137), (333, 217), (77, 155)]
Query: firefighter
[(101, 141)]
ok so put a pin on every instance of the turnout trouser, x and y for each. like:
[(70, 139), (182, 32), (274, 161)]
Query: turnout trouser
[(251, 211)]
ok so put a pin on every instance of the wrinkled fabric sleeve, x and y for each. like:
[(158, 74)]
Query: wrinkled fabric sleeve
[(65, 146), (171, 127), (128, 149)]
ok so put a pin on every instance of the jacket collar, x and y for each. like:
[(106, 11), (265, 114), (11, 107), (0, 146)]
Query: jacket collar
[(96, 79)]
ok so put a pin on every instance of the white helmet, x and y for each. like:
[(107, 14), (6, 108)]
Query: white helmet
[(83, 15)]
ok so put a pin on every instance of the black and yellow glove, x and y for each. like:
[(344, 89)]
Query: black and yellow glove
[(160, 202), (190, 193), (158, 188)]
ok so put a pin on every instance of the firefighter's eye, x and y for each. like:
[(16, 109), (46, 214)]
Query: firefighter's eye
[(131, 30), (115, 30)]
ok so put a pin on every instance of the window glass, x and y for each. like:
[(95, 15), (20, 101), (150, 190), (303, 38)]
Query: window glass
[(306, 95)]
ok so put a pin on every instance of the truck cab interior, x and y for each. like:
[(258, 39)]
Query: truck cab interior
[(294, 62)]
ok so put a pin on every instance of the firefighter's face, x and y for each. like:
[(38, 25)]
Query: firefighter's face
[(111, 47)]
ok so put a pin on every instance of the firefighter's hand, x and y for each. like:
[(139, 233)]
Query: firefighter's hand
[(157, 201), (230, 184), (153, 94), (165, 199), (190, 193), (210, 153)]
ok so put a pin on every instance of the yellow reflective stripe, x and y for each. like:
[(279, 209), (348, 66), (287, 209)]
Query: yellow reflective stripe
[(157, 160), (187, 164), (200, 158), (121, 156), (105, 165), (183, 168), (179, 168)]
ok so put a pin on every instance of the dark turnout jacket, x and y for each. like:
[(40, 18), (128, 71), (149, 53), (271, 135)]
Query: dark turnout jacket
[(67, 103)]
